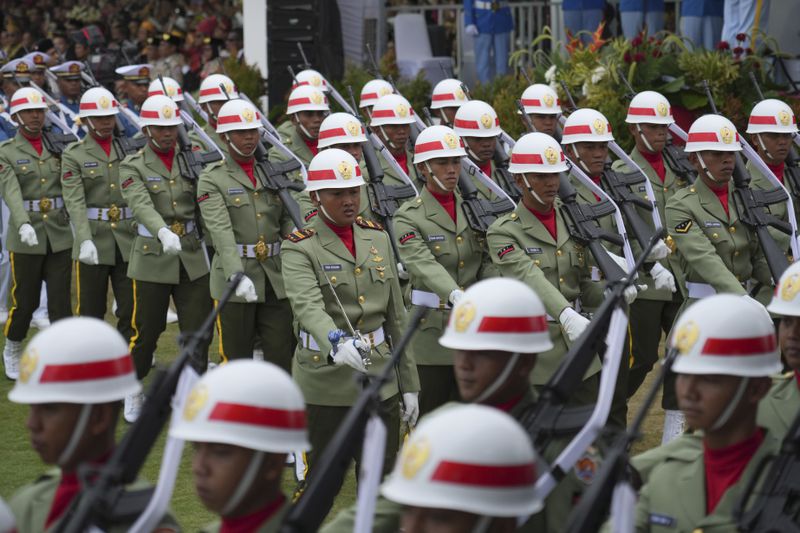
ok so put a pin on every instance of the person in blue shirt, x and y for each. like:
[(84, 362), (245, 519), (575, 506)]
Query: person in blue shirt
[(490, 23), (68, 76), (701, 22), (582, 15), (636, 15)]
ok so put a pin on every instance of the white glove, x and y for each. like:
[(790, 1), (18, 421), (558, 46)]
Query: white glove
[(402, 273), (472, 29), (631, 292), (659, 251), (88, 253), (455, 296), (573, 323), (170, 241), (411, 411), (28, 235), (348, 354), (663, 278), (247, 290)]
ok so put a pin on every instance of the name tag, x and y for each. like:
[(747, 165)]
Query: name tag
[(642, 188), (533, 250), (662, 520), (235, 191), (332, 268), (435, 238), (23, 161), (90, 164), (712, 224), (153, 178)]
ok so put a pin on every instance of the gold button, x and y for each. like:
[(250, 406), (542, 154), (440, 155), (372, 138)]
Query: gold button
[(41, 162), (561, 280), (422, 321), (698, 530), (91, 172), (732, 229), (110, 165), (714, 236), (261, 238), (258, 215), (358, 271), (172, 182), (380, 274), (536, 262), (155, 187), (459, 240), (419, 200), (361, 299), (333, 279), (558, 253), (113, 186), (174, 204), (315, 359), (236, 200), (736, 253), (145, 247), (692, 189), (44, 217), (461, 264), (24, 168), (437, 247), (666, 190), (360, 322), (113, 225), (43, 180), (255, 194), (513, 216)]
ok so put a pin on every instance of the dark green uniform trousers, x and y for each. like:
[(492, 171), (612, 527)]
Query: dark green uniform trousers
[(28, 271), (150, 303), (240, 324), (437, 387), (92, 291)]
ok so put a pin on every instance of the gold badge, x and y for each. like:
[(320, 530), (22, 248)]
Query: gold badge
[(726, 134), (353, 128), (22, 67), (262, 253), (35, 98), (228, 88), (599, 126), (463, 316), (551, 155), (460, 94), (384, 91), (178, 228), (415, 455), (686, 336), (373, 250), (316, 98), (346, 170), (144, 72), (784, 117), (45, 204), (402, 110), (114, 213), (662, 109), (549, 100), (195, 402), (451, 141), (170, 91), (104, 102), (74, 68), (27, 365), (486, 121), (248, 115), (166, 111), (316, 81), (790, 288)]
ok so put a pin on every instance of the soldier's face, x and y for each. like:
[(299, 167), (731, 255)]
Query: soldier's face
[(398, 134), (245, 141), (215, 106), (776, 144), (593, 154), (353, 149), (38, 78), (427, 520), (703, 398), (70, 88), (476, 371), (544, 123), (103, 127), (165, 137), (719, 164), (136, 92), (789, 339), (340, 206), (544, 185), (445, 169), (33, 120), (655, 134), (310, 120), (448, 114), (50, 426), (482, 147)]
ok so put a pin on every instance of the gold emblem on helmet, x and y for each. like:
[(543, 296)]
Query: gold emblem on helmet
[(346, 170), (784, 117), (790, 288), (414, 457), (35, 98), (486, 120), (316, 81), (248, 115), (686, 336), (166, 111), (27, 365), (353, 128), (104, 102), (549, 100), (551, 155), (402, 110), (662, 109), (22, 67), (463, 316), (599, 126), (460, 94), (316, 98), (451, 141), (726, 134), (228, 88), (384, 91), (195, 402), (170, 91)]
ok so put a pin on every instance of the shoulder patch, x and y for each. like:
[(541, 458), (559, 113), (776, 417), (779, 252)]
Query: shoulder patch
[(505, 250), (364, 223), (203, 198), (407, 237), (67, 175), (311, 214), (126, 183), (299, 235), (683, 227)]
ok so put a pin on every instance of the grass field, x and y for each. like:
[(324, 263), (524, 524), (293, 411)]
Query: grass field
[(21, 465)]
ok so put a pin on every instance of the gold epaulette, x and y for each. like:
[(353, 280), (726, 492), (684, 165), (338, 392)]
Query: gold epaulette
[(300, 234)]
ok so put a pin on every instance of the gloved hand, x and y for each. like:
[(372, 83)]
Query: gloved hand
[(659, 251), (28, 235), (631, 292), (472, 29), (409, 412), (170, 241), (573, 323), (247, 290), (402, 273), (663, 278), (88, 253), (455, 296), (347, 354)]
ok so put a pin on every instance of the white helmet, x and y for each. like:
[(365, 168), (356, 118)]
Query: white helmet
[(78, 360), (498, 314), (98, 102), (174, 90), (159, 110), (586, 125), (476, 119), (773, 116), (237, 115), (373, 90), (340, 128), (210, 90), (26, 98), (392, 109), (725, 334), (247, 403), (437, 141), (448, 93), (541, 99), (333, 169), (786, 301), (712, 132), (537, 152), (311, 77), (649, 107), (307, 98), (469, 458)]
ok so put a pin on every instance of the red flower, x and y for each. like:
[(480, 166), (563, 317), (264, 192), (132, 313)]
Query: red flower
[(738, 51), (748, 51), (723, 45), (741, 37), (656, 53), (639, 57), (636, 41), (627, 57)]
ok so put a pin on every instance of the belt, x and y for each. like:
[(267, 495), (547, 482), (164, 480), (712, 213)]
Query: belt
[(428, 299), (703, 290), (178, 228), (375, 338), (110, 214), (488, 5), (43, 205), (260, 250)]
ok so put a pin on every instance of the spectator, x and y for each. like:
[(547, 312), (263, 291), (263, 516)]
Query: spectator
[(490, 23), (583, 15), (212, 64), (701, 22), (743, 17), (637, 15), (234, 45), (170, 62)]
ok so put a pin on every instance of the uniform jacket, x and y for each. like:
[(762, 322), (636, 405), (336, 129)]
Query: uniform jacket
[(391, 177), (778, 409)]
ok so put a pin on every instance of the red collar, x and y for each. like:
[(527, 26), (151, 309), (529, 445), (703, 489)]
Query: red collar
[(248, 166), (312, 144), (722, 195), (105, 144), (36, 142), (724, 466), (345, 233), (486, 168), (548, 220), (510, 404), (251, 522), (447, 201), (777, 169), (656, 160), (166, 157)]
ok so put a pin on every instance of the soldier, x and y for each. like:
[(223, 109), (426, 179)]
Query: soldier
[(211, 98), (716, 251), (73, 375), (16, 74), (543, 108), (307, 108), (246, 222), (443, 254), (136, 79), (68, 78), (171, 61), (40, 61), (172, 87), (242, 419), (39, 236), (391, 120), (339, 273), (447, 96), (167, 258), (311, 77), (371, 92), (477, 124), (103, 223), (727, 350)]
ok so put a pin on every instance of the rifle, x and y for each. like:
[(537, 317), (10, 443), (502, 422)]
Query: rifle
[(306, 64), (102, 500), (503, 176), (308, 513)]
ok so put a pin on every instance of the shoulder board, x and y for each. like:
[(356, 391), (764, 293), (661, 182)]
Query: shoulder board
[(7, 141), (508, 217), (364, 223), (74, 146), (215, 165), (300, 234)]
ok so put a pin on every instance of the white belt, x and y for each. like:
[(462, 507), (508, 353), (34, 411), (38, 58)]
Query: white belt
[(102, 213), (704, 290), (44, 205), (375, 338), (487, 5), (260, 250), (428, 299), (188, 225)]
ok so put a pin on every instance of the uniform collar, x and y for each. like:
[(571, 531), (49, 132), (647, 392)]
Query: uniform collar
[(536, 229), (710, 202)]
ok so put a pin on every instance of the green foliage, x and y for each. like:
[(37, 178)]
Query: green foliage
[(247, 78), (502, 94)]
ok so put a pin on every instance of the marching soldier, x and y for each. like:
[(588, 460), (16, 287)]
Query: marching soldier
[(543, 108), (239, 454), (446, 98), (167, 258), (391, 120), (211, 98), (103, 223), (371, 92), (136, 79), (246, 222), (313, 78), (477, 124), (171, 60), (68, 79), (443, 255), (343, 285), (39, 236), (73, 376)]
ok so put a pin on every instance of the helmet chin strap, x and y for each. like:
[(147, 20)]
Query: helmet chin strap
[(236, 149), (499, 380), (435, 179), (75, 438), (530, 190), (644, 139), (705, 168), (388, 140), (471, 153), (444, 117), (244, 483), (152, 140), (211, 114), (580, 161), (764, 148), (725, 416), (22, 123), (482, 525)]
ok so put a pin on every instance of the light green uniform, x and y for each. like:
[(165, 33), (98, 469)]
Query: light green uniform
[(292, 140), (391, 177), (272, 525), (778, 409)]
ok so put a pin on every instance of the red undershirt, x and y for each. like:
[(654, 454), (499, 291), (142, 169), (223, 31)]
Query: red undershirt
[(67, 489), (722, 194), (247, 166), (36, 143), (166, 157), (486, 168), (402, 160), (105, 144), (510, 404), (724, 467), (312, 145), (797, 377), (777, 170), (251, 522), (448, 201), (596, 180), (656, 161), (548, 220), (345, 233)]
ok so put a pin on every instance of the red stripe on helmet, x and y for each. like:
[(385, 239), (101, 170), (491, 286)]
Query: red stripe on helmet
[(421, 148), (258, 416), (369, 96), (322, 174), (87, 106), (299, 101), (149, 114), (745, 346), (642, 111), (467, 124), (334, 132), (527, 159), (440, 97), (108, 368), (578, 129), (229, 119), (532, 101), (383, 113), (208, 92), (499, 476), (760, 119), (703, 137), (513, 324)]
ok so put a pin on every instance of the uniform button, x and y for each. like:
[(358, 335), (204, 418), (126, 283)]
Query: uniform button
[(419, 200), (145, 247), (44, 217), (714, 236), (113, 225), (261, 238), (255, 194), (41, 162), (537, 262), (110, 165), (361, 299), (358, 271), (155, 187), (459, 240), (315, 359), (174, 204), (461, 264), (437, 247), (380, 274), (236, 200), (513, 216), (423, 320), (333, 279), (360, 322), (692, 189), (732, 229), (561, 280), (666, 189), (91, 172), (43, 180), (736, 253), (258, 215), (113, 186), (24, 168), (558, 253), (172, 182)]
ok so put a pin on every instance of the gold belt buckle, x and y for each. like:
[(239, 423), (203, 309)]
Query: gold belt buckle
[(45, 204), (178, 228), (114, 213), (262, 253), (670, 242)]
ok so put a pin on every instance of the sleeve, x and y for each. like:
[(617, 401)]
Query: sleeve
[(761, 271), (395, 321), (135, 193), (75, 197), (488, 268), (12, 194), (218, 223), (469, 15)]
